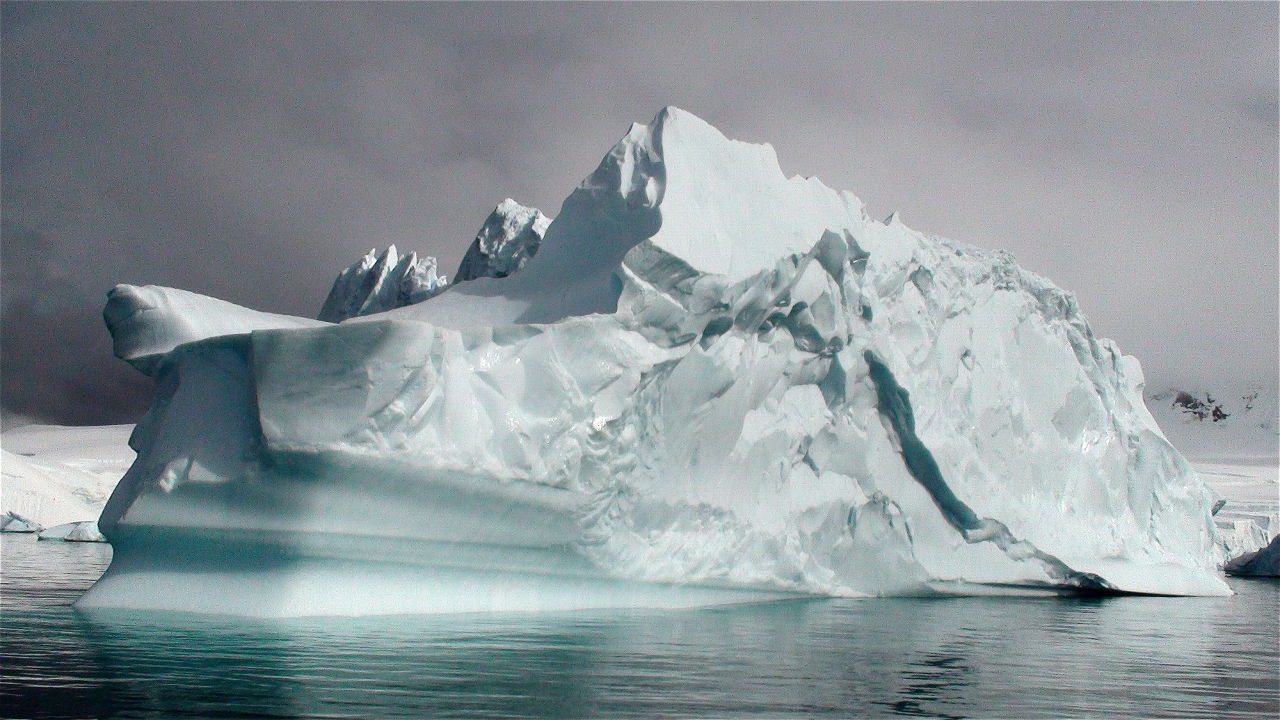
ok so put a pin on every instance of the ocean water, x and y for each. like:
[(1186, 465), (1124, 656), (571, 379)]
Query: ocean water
[(954, 657)]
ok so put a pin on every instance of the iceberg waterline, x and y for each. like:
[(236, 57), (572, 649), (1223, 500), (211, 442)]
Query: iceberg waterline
[(712, 383)]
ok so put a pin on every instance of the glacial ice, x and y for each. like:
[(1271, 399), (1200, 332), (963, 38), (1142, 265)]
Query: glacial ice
[(509, 237), (12, 522), (380, 282), (713, 383), (53, 475), (1264, 562), (148, 322), (84, 531)]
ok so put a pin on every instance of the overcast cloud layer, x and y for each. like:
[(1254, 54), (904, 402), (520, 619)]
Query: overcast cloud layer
[(249, 151)]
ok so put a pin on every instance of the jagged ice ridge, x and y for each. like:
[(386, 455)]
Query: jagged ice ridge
[(379, 282)]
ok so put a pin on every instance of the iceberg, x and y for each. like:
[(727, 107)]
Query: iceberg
[(380, 282), (509, 237), (384, 281), (84, 531), (713, 383), (1264, 562), (12, 522), (1230, 436)]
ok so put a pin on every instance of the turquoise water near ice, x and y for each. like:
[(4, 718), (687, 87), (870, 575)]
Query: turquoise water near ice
[(953, 657)]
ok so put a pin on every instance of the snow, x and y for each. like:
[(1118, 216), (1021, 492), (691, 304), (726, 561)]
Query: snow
[(712, 383), (1227, 422), (509, 237), (380, 282), (55, 475)]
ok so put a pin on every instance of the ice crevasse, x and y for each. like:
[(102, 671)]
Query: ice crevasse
[(713, 383)]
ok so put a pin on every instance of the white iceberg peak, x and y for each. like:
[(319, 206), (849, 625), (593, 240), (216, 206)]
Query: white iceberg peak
[(509, 237), (380, 282)]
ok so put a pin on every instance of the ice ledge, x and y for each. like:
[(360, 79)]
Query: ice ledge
[(146, 323)]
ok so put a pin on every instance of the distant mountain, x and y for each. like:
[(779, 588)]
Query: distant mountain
[(1219, 422)]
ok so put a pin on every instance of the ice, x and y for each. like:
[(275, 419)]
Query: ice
[(509, 237), (146, 323), (85, 531), (380, 282), (56, 475), (37, 493), (712, 383), (1264, 562), (1229, 433), (384, 281), (12, 522)]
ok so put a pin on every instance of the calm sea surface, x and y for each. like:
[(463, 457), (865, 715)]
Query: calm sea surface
[(962, 657)]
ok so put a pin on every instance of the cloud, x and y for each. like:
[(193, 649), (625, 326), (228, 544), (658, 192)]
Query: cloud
[(250, 151)]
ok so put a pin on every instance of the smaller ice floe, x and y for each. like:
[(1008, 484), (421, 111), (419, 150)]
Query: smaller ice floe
[(382, 281), (509, 237), (86, 531), (12, 522), (1259, 563)]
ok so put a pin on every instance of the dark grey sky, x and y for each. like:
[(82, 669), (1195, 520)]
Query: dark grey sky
[(249, 151)]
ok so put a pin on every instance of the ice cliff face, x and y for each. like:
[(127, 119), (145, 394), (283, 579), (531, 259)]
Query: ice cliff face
[(509, 237), (380, 282), (712, 380)]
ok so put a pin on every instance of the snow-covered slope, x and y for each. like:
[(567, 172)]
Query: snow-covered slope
[(54, 475), (379, 282), (509, 237), (712, 383)]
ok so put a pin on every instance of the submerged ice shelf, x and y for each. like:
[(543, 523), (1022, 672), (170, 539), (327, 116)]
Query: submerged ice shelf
[(712, 383)]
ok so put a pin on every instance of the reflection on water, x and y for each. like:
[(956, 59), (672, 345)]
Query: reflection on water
[(955, 657)]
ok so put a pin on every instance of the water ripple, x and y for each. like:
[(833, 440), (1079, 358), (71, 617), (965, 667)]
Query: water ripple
[(955, 657)]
